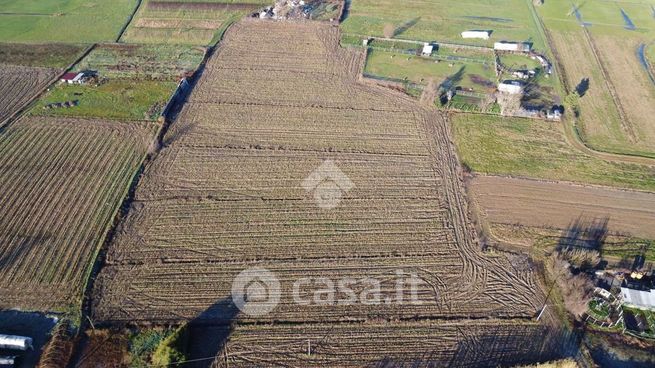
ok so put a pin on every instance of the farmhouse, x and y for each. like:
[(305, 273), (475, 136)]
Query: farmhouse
[(641, 299), (68, 78), (427, 49), (476, 34), (511, 86), (75, 78), (512, 46)]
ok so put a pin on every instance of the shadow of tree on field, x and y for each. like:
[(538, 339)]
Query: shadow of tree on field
[(587, 234), (405, 26), (208, 333), (511, 345), (522, 344), (452, 80), (582, 87)]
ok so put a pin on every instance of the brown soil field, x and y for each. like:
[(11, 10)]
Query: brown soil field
[(200, 5), (177, 23), (225, 194), (19, 85), (393, 344), (548, 204), (61, 181)]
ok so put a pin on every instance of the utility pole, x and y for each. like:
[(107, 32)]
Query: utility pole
[(309, 347)]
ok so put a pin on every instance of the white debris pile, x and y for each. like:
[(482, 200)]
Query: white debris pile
[(286, 9)]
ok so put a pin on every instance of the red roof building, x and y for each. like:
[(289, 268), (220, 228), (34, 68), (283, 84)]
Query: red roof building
[(68, 77)]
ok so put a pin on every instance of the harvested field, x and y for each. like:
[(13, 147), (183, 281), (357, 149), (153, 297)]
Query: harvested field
[(601, 124), (61, 182), (19, 85), (225, 194), (548, 204), (463, 343), (632, 83)]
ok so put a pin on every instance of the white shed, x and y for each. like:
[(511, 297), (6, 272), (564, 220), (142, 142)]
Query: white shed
[(15, 342), (511, 86), (427, 49), (476, 34), (7, 360)]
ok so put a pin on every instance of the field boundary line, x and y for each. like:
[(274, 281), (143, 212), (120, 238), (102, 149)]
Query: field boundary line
[(129, 20)]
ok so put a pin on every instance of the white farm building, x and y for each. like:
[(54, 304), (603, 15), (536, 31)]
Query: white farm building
[(511, 86), (15, 342), (512, 46), (476, 34), (642, 299), (427, 49)]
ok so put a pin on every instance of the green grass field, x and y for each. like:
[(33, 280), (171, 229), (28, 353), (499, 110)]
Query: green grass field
[(65, 21), (538, 149), (161, 62), (617, 109), (419, 70), (442, 20), (604, 16), (115, 99)]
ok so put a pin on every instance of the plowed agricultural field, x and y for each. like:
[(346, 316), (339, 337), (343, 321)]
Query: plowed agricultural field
[(226, 193), (19, 85), (396, 344), (547, 204), (61, 181)]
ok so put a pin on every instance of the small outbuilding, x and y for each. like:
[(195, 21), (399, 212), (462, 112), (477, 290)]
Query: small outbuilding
[(427, 49), (555, 113), (511, 86), (476, 34), (12, 342)]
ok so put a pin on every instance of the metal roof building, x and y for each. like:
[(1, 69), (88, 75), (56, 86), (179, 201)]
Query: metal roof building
[(476, 34), (638, 298), (427, 49)]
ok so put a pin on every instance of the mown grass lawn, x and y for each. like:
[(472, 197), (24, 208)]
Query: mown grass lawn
[(441, 20), (420, 70), (115, 99)]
